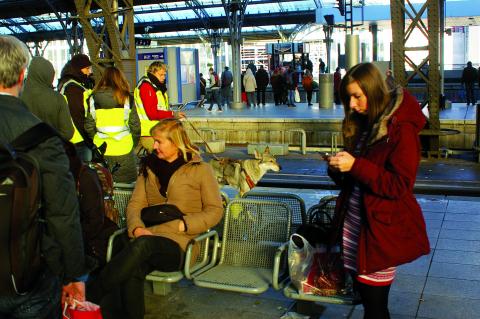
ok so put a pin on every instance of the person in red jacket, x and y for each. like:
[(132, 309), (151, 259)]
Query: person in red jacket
[(380, 222)]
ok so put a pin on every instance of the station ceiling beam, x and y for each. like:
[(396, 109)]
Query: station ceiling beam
[(251, 20)]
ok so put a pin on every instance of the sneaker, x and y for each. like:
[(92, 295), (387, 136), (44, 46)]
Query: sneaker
[(292, 105), (220, 110), (209, 109)]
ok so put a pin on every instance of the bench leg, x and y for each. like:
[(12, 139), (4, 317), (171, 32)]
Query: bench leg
[(161, 288)]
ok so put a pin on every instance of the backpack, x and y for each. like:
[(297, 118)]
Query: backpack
[(106, 181), (21, 219), (217, 82)]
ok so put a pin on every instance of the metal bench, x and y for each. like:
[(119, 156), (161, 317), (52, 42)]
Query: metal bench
[(252, 233), (161, 281), (296, 204)]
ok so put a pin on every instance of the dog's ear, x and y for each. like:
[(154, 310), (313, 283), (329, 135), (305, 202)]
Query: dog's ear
[(257, 154)]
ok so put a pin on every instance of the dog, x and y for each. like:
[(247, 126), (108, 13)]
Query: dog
[(244, 174)]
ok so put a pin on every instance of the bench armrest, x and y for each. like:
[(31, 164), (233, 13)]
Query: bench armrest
[(110, 242), (276, 283), (206, 262)]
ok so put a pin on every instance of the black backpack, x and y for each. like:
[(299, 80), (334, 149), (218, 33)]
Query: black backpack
[(21, 218)]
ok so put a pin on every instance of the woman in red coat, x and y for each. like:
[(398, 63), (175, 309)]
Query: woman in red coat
[(382, 224)]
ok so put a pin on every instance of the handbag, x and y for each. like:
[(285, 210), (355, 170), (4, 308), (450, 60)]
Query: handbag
[(159, 214), (297, 96), (82, 310)]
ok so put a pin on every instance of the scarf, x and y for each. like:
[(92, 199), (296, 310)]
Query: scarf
[(158, 85), (162, 169)]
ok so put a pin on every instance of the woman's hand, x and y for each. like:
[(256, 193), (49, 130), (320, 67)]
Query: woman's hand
[(342, 162), (140, 231)]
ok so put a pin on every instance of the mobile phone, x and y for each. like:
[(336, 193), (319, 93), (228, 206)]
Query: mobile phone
[(325, 155)]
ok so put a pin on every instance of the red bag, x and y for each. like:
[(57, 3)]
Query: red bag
[(82, 310), (244, 97)]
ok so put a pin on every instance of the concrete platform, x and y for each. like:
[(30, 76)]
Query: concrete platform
[(443, 285), (266, 124)]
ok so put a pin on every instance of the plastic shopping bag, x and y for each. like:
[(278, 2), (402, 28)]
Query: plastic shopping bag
[(82, 310), (316, 270), (297, 96)]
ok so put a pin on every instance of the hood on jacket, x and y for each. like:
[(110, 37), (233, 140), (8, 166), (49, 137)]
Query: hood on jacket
[(403, 108), (104, 98), (248, 73), (69, 71), (40, 73)]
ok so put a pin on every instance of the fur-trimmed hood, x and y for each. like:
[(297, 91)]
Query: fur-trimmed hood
[(396, 113)]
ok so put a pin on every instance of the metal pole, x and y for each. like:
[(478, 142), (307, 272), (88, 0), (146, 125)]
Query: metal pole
[(235, 39)]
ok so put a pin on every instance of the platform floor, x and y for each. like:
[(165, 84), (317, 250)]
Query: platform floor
[(443, 285), (458, 112)]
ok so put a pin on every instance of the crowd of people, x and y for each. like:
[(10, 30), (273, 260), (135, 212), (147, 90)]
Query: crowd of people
[(379, 222)]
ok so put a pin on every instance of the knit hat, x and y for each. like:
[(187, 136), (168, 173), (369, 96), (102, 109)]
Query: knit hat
[(80, 61)]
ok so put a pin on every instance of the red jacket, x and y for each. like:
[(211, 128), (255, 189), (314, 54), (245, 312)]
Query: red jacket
[(393, 229), (148, 94)]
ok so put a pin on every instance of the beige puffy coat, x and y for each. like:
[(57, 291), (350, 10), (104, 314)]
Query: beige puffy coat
[(192, 188)]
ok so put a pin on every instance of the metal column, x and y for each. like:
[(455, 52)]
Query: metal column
[(428, 69), (235, 10), (109, 43)]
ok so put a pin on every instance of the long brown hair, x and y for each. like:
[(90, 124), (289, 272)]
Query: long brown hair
[(115, 79), (370, 80)]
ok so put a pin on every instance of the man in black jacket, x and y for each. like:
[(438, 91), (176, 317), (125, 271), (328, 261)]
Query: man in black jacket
[(62, 246), (262, 82), (469, 76)]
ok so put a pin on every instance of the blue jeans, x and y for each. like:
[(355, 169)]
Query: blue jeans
[(43, 302), (291, 97)]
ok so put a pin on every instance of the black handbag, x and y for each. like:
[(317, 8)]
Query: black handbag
[(159, 214)]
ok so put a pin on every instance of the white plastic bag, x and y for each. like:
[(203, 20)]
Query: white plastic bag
[(297, 96), (300, 256)]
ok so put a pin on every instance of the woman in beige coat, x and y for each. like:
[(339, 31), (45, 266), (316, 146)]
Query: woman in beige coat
[(175, 174)]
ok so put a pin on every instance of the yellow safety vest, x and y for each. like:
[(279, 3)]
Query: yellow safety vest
[(112, 127), (162, 104), (77, 137)]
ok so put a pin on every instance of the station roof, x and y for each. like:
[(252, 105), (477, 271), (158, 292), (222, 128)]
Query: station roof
[(37, 20)]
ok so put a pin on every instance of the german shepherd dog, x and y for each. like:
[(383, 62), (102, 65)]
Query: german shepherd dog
[(244, 174)]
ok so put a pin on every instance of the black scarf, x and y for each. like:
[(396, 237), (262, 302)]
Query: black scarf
[(158, 85), (162, 169)]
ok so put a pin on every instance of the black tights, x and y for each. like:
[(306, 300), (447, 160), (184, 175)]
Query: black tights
[(374, 300), (126, 272)]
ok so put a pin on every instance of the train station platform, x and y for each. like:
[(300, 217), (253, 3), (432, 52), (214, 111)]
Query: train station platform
[(442, 285), (277, 124)]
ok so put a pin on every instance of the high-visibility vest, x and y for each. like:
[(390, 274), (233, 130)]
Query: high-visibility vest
[(112, 126), (77, 137), (162, 105)]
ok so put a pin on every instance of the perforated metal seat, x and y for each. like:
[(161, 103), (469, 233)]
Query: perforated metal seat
[(253, 231), (121, 196), (296, 204)]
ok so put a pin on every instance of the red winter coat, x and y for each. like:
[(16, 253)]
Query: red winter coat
[(393, 229)]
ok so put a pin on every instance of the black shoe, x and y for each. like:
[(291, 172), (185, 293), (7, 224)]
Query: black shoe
[(209, 109), (220, 109)]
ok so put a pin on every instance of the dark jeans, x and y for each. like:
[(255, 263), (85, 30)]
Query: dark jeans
[(309, 96), (261, 96), (43, 302), (374, 300), (215, 98), (127, 270), (226, 95), (470, 95), (250, 98)]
